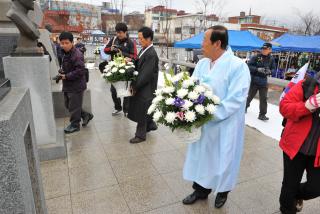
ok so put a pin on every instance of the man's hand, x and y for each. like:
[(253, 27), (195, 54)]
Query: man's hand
[(313, 102), (128, 59), (63, 76)]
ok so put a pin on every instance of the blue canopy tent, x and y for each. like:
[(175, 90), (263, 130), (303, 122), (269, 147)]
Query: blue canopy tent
[(296, 43), (97, 36), (238, 40)]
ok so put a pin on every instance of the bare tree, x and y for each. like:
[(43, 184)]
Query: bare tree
[(165, 27), (309, 23), (209, 7)]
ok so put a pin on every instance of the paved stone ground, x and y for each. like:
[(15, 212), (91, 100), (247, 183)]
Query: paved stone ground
[(104, 174)]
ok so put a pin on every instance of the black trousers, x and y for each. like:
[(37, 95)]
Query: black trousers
[(102, 66), (73, 102), (292, 188), (141, 130), (263, 93), (117, 101), (203, 192)]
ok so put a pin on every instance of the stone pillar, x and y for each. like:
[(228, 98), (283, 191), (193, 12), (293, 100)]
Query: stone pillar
[(8, 38), (33, 73), (21, 188), (54, 64)]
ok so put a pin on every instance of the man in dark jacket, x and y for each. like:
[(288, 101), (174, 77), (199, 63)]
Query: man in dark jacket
[(72, 73), (144, 87), (121, 44), (261, 67), (79, 45)]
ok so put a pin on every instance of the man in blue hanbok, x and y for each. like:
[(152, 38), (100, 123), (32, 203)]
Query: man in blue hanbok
[(213, 162)]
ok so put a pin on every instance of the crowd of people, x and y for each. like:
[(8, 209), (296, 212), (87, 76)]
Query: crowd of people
[(213, 162)]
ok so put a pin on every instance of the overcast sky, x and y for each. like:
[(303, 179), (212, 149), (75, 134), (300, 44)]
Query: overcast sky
[(280, 10)]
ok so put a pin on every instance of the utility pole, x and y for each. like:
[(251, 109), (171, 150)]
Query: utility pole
[(122, 15)]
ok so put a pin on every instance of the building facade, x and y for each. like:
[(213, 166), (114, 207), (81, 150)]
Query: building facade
[(154, 15), (253, 24), (186, 26), (70, 16)]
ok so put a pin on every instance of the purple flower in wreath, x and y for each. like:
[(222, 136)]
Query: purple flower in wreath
[(178, 102), (200, 99)]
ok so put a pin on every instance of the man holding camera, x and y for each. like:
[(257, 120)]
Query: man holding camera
[(72, 74), (121, 44), (261, 67)]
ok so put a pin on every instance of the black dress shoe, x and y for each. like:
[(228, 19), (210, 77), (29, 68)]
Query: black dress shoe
[(87, 119), (136, 140), (221, 199), (263, 117), (191, 199)]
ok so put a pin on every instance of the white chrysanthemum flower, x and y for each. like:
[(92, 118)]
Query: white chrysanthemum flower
[(187, 83), (199, 89), (135, 73), (127, 67), (187, 104), (130, 63), (200, 109), (215, 99), (208, 94), (122, 71), (177, 77), (157, 115), (170, 117), (157, 99), (111, 63), (108, 74), (182, 93), (190, 116), (158, 91), (152, 108), (169, 101), (122, 65), (210, 108), (168, 90), (193, 95), (114, 70)]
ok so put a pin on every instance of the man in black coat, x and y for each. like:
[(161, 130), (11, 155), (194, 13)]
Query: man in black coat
[(144, 87), (261, 67)]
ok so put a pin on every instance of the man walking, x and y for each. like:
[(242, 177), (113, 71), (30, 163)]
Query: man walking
[(213, 162), (121, 44), (144, 87), (72, 73), (261, 67)]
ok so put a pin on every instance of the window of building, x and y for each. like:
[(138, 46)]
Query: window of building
[(177, 30)]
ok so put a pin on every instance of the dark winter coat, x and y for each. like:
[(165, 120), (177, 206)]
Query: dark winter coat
[(74, 69), (261, 61), (145, 86)]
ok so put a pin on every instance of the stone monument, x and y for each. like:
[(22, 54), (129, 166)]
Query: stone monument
[(26, 67), (8, 37), (29, 32), (20, 178)]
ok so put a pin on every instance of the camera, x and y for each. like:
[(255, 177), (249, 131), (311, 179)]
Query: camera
[(117, 48), (58, 77)]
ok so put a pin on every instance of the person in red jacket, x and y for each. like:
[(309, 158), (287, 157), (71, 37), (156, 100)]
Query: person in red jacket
[(301, 145)]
